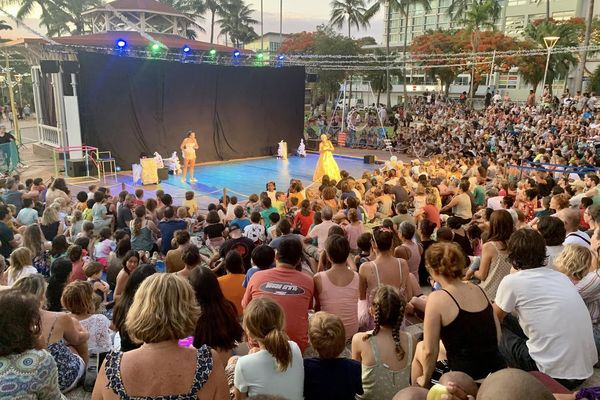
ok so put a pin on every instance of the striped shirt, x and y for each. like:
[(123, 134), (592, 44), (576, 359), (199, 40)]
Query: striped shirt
[(589, 289)]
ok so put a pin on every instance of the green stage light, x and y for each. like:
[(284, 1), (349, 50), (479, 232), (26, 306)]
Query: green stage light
[(212, 52), (260, 56), (155, 47)]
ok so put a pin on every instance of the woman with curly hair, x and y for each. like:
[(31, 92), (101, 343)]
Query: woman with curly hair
[(461, 316), (385, 352)]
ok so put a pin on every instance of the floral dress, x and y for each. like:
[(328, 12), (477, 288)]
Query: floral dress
[(70, 366), (203, 370), (29, 375)]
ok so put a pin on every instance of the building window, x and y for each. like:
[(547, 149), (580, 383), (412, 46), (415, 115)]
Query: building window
[(514, 25), (508, 81), (461, 80), (560, 16), (517, 2)]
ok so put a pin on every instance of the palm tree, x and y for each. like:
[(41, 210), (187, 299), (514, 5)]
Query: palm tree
[(4, 26), (351, 12), (215, 7), (236, 20), (405, 7), (194, 10), (57, 15), (458, 8)]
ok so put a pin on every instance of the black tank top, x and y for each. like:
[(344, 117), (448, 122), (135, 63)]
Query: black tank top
[(471, 342)]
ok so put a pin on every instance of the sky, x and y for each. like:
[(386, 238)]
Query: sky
[(298, 16)]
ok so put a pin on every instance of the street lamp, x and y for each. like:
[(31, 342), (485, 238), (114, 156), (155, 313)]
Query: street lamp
[(550, 42)]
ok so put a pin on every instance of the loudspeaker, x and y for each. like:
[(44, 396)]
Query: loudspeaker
[(369, 159), (49, 67), (312, 144), (311, 78), (163, 174), (77, 168)]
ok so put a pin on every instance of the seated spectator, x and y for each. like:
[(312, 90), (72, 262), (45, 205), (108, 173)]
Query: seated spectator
[(164, 309), (277, 368), (239, 219), (409, 250), (167, 227), (236, 241), (571, 219), (303, 218), (191, 259), (285, 229), (51, 224), (142, 230), (28, 215), (459, 235), (78, 299), (31, 372), (34, 241), (450, 316), (231, 283), (513, 384), (553, 231), (330, 376), (60, 271), (93, 271), (62, 335), (218, 325), (100, 216), (538, 295), (366, 254), (173, 260), (263, 257), (75, 255), (336, 290), (292, 289), (574, 261), (59, 248), (130, 262), (320, 232), (384, 270), (353, 230), (20, 265), (123, 304), (115, 261), (385, 352)]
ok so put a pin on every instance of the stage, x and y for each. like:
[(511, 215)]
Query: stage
[(244, 177)]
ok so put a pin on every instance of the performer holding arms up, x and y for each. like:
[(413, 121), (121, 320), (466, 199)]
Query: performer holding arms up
[(188, 148), (326, 164)]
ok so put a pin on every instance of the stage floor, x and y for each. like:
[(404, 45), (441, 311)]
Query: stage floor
[(241, 178)]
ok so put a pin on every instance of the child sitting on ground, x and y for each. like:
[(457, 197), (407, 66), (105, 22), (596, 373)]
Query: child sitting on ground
[(364, 244), (233, 202), (190, 204), (330, 376), (93, 272), (104, 246), (293, 210), (272, 230), (251, 203), (139, 197), (255, 231), (27, 215), (182, 213), (263, 257), (87, 213)]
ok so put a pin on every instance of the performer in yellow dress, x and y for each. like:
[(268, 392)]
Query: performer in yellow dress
[(326, 164)]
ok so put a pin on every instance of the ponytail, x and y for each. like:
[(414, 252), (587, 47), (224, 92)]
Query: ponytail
[(276, 343)]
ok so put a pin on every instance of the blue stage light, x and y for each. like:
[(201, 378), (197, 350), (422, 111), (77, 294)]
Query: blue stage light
[(186, 49), (121, 43), (281, 57), (236, 53)]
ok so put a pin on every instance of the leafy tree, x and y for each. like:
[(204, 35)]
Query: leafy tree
[(299, 43), (458, 8), (4, 26), (57, 15), (350, 13), (236, 20), (568, 31), (595, 81), (193, 9)]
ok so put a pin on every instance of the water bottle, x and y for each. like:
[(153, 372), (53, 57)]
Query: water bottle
[(154, 257)]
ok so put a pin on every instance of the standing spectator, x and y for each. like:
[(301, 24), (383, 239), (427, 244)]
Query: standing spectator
[(539, 295), (292, 289)]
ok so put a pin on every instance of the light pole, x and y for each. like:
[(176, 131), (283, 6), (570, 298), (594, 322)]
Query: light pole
[(550, 42)]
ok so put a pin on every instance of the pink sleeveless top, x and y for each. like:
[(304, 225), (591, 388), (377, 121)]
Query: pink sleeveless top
[(341, 301)]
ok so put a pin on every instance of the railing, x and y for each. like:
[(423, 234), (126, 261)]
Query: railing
[(49, 135)]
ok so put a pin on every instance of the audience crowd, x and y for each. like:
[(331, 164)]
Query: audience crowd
[(473, 272)]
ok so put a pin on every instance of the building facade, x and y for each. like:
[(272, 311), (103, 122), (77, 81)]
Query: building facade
[(270, 43)]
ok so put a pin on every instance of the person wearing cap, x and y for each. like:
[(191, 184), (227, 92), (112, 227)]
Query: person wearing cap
[(239, 243)]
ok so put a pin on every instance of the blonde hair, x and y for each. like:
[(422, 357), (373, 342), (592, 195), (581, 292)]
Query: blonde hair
[(164, 308), (50, 215), (34, 284), (264, 321), (19, 259), (78, 298), (369, 199), (33, 240), (327, 334), (574, 261)]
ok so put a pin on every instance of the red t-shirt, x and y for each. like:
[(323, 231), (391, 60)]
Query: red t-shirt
[(304, 222), (432, 214), (293, 290)]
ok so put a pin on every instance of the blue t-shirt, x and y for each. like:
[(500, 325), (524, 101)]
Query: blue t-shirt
[(336, 378), (27, 216), (249, 274), (167, 229)]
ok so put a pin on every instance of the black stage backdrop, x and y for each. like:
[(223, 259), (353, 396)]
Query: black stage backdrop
[(129, 106)]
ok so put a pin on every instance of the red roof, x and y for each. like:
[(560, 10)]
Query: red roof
[(145, 5), (134, 39)]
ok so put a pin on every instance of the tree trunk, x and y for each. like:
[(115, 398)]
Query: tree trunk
[(586, 42), (387, 53), (212, 26), (350, 95), (447, 88), (404, 58), (547, 10)]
